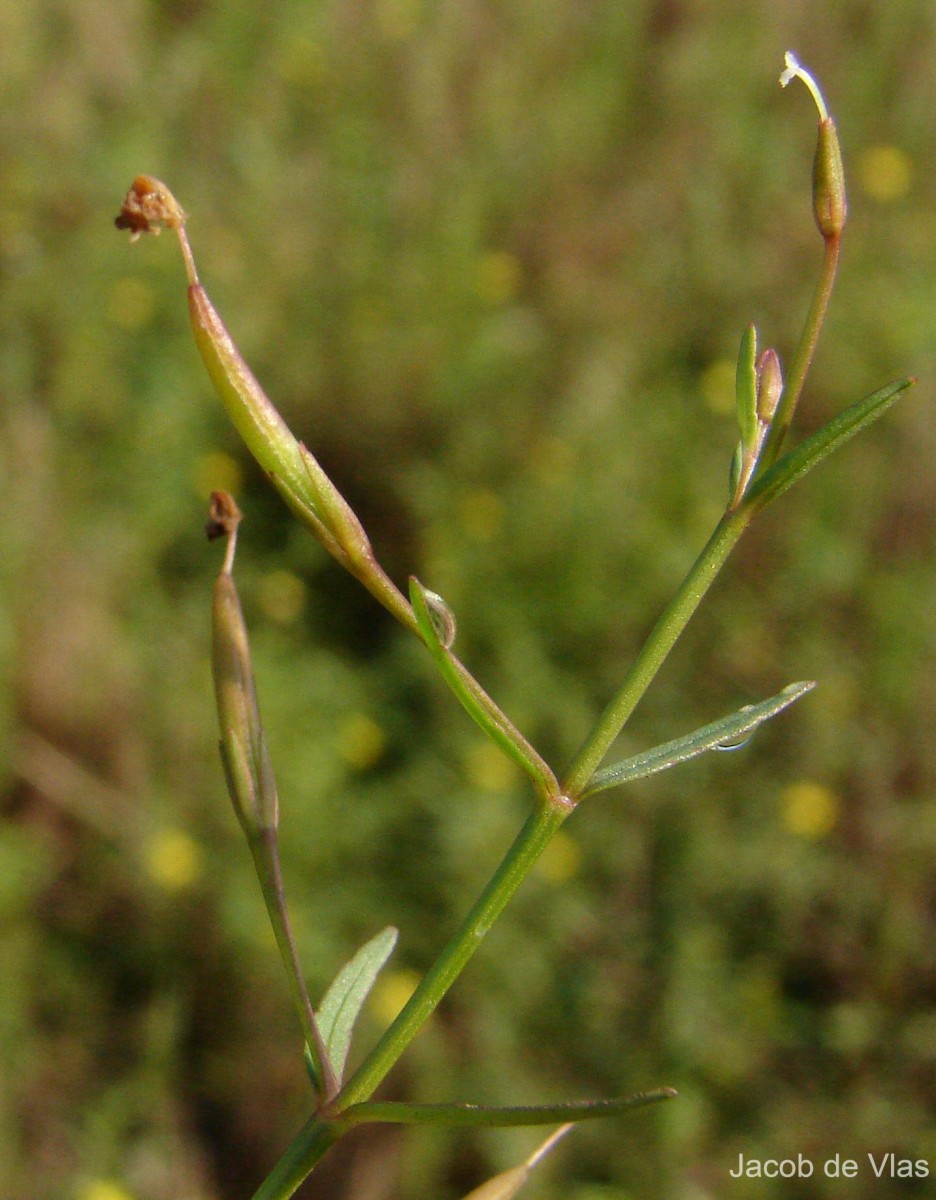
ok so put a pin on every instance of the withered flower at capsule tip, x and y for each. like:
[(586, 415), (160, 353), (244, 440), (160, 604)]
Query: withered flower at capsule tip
[(147, 206), (295, 473)]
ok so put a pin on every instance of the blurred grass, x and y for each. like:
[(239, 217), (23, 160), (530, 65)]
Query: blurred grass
[(490, 259)]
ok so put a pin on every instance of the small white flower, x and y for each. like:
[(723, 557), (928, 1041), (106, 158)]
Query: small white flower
[(793, 70)]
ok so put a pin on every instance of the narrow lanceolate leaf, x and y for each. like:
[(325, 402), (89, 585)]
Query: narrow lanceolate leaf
[(506, 1185), (792, 466), (437, 629), (461, 1116), (746, 388), (345, 998), (721, 734)]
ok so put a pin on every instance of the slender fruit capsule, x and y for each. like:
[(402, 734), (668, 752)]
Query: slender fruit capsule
[(249, 775), (244, 751), (264, 431), (295, 473), (830, 207)]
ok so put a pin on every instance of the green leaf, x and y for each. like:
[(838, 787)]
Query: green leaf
[(460, 1116), (719, 735), (787, 470), (746, 388), (345, 998), (437, 627)]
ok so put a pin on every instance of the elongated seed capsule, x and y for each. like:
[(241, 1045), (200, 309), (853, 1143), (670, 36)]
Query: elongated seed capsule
[(830, 206), (295, 472), (266, 434), (244, 751), (305, 487)]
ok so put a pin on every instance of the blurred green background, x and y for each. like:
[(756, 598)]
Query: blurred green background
[(492, 258)]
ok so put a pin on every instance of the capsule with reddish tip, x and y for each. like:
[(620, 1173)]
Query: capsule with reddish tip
[(244, 753)]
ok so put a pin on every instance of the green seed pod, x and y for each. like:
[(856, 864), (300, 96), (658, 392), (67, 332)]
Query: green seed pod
[(264, 431), (244, 751), (830, 206)]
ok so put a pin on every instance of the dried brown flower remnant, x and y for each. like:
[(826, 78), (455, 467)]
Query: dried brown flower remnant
[(223, 516), (147, 207)]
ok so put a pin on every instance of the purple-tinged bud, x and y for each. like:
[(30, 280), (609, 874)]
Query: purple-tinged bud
[(769, 385)]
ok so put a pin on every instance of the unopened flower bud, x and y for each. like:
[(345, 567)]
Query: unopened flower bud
[(769, 385)]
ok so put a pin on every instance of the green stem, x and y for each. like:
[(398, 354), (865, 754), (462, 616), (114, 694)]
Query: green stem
[(655, 650), (802, 359), (529, 844), (320, 1132), (306, 1149), (265, 850), (710, 561)]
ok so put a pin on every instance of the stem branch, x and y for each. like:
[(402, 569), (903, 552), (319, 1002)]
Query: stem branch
[(318, 1134), (655, 650)]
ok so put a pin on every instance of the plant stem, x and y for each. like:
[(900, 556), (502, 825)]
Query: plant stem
[(529, 844), (654, 651), (802, 359), (320, 1132), (264, 847), (710, 561), (307, 1147)]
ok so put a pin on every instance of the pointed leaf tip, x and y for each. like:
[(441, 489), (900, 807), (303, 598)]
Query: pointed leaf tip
[(819, 445), (731, 732), (344, 1000)]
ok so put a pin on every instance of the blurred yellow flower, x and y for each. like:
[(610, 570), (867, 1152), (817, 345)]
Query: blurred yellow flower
[(103, 1189), (391, 992), (810, 810), (174, 861), (561, 860), (282, 596), (885, 173), (489, 769), (361, 741), (216, 472)]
